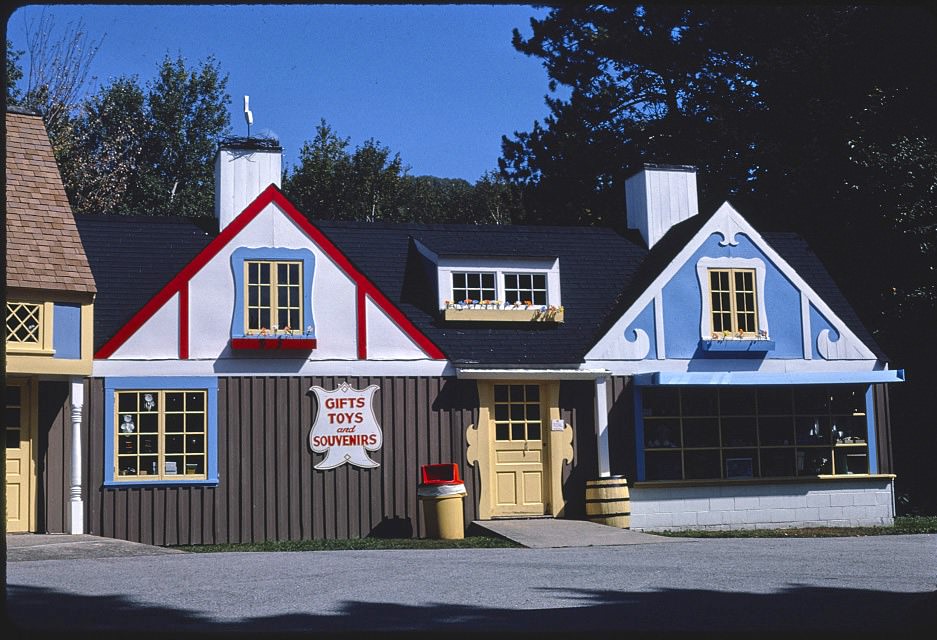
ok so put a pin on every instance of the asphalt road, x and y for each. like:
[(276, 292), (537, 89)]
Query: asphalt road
[(851, 586)]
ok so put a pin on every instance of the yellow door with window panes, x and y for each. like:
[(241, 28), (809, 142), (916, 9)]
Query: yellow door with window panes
[(18, 425), (518, 450)]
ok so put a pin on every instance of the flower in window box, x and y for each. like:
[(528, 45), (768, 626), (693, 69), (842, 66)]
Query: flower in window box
[(715, 336), (763, 334), (263, 331)]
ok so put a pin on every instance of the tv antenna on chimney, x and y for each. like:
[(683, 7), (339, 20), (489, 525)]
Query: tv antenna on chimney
[(248, 116)]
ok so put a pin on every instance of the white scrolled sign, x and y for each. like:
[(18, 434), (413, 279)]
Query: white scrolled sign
[(345, 427)]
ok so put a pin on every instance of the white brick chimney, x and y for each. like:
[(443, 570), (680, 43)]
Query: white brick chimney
[(658, 197), (243, 169)]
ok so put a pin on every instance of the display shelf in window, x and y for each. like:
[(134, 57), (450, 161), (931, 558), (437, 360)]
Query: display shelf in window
[(161, 435), (694, 433)]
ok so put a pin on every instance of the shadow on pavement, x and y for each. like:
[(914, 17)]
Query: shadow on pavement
[(41, 613)]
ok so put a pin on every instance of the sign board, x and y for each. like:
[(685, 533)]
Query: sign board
[(557, 425), (345, 427)]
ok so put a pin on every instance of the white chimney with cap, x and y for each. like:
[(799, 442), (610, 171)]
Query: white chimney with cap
[(243, 169), (658, 197)]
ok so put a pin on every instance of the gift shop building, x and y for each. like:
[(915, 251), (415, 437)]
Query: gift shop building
[(269, 376)]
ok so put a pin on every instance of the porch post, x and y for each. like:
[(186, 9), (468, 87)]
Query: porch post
[(601, 425), (77, 519)]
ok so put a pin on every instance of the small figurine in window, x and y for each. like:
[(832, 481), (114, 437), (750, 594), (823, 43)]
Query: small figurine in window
[(127, 426), (148, 402)]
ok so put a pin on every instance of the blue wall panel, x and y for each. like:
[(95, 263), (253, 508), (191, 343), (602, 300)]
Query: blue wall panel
[(66, 331), (683, 302)]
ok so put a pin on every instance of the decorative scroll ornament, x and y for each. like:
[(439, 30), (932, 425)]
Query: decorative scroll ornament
[(345, 427), (638, 348)]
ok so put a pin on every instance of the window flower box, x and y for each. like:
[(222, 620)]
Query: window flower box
[(275, 339), (727, 341), (495, 311)]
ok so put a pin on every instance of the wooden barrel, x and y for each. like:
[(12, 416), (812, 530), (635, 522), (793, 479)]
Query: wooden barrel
[(608, 502)]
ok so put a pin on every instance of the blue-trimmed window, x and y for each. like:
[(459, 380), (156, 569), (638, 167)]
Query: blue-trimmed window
[(273, 293), (738, 432), (161, 431)]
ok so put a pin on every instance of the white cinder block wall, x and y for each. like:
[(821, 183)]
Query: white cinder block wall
[(868, 502)]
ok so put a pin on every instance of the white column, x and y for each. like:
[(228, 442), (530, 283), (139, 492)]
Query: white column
[(601, 425), (77, 520)]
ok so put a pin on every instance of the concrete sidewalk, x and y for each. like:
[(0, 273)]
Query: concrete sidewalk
[(533, 533), (550, 533), (60, 546)]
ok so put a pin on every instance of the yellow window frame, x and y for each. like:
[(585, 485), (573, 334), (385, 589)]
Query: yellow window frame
[(734, 312), (35, 318), (133, 448), (529, 407), (275, 304)]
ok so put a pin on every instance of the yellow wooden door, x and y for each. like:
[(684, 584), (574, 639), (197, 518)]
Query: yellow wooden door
[(17, 418), (517, 421)]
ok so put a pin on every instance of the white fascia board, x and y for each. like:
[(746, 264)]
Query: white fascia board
[(630, 368), (728, 222), (272, 367), (531, 374)]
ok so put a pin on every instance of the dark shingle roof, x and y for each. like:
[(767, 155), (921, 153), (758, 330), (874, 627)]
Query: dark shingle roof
[(132, 258), (601, 274), (594, 263)]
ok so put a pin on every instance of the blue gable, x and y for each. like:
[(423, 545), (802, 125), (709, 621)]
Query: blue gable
[(683, 302)]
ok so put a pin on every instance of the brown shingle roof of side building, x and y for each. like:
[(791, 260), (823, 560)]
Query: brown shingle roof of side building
[(44, 250)]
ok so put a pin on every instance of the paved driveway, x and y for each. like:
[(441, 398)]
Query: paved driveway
[(836, 585)]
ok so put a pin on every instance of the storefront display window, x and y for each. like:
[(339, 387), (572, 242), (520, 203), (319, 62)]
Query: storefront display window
[(161, 430), (703, 433)]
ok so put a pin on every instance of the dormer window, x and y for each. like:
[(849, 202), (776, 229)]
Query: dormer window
[(500, 290), (467, 285), (520, 287)]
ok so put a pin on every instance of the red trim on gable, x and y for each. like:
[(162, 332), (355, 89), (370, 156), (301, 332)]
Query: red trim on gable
[(362, 318), (269, 195), (184, 322)]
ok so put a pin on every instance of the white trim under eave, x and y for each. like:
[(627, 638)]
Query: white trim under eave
[(272, 367), (531, 374)]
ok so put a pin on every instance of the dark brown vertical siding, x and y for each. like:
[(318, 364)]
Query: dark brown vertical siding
[(881, 403), (53, 457), (621, 434), (268, 488)]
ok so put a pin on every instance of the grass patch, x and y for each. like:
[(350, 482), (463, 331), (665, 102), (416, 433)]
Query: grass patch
[(903, 525), (356, 544)]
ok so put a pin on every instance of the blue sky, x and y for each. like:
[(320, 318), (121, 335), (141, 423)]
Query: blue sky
[(438, 84)]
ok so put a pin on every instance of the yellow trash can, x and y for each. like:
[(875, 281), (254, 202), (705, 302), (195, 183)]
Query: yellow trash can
[(442, 510)]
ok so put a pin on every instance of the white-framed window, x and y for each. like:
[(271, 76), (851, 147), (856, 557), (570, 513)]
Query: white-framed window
[(527, 288), (523, 281), (29, 327), (732, 294), (473, 285)]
